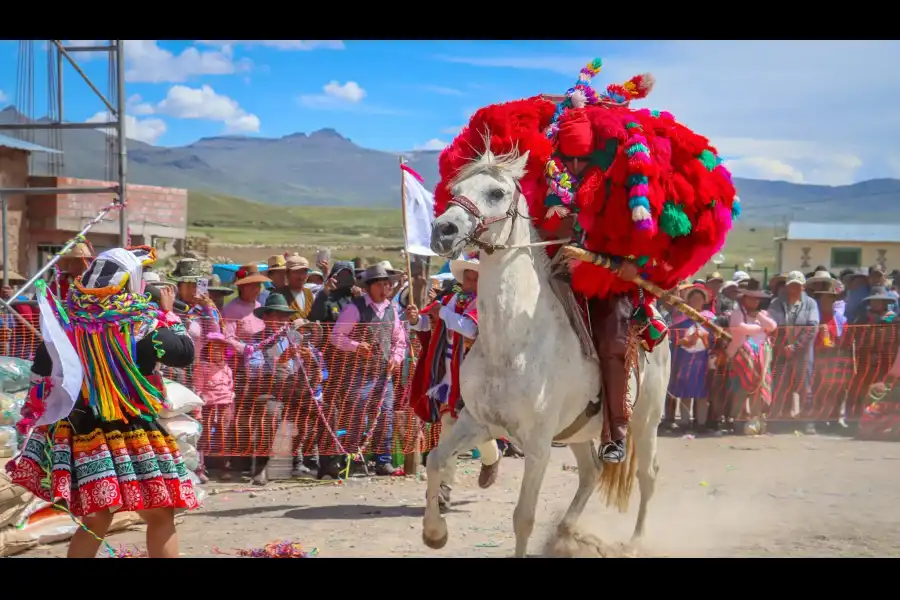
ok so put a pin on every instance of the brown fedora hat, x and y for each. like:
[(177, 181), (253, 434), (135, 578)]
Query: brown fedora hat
[(248, 274)]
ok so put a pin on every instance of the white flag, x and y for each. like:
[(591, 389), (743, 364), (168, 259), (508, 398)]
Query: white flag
[(419, 214)]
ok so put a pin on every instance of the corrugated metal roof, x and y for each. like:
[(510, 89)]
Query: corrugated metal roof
[(17, 144), (844, 232)]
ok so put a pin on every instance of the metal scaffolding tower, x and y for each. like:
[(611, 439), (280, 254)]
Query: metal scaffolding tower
[(115, 107)]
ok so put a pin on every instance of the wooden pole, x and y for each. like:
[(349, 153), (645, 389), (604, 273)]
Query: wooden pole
[(684, 307), (411, 460)]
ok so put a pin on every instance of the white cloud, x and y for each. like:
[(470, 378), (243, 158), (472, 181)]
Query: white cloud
[(147, 130), (452, 130), (348, 92), (204, 103), (303, 45), (2, 96), (776, 109), (147, 62), (432, 144), (137, 106), (347, 96)]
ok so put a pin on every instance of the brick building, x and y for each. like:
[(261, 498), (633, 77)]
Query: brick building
[(39, 225)]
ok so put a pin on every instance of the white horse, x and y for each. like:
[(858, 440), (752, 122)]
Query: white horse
[(526, 377)]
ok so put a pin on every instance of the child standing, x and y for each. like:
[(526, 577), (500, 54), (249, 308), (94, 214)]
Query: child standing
[(216, 387)]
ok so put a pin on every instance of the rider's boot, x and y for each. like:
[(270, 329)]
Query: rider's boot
[(609, 323)]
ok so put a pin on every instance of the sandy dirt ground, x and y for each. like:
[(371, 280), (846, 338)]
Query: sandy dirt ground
[(786, 495)]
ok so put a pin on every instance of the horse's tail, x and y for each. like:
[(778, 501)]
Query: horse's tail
[(617, 480)]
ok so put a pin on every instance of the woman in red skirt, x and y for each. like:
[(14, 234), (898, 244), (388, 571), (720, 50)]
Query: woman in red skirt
[(97, 447)]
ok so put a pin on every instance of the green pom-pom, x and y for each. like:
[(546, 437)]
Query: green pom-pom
[(632, 125), (642, 261), (655, 113), (552, 200), (597, 63), (708, 159), (604, 157), (673, 221)]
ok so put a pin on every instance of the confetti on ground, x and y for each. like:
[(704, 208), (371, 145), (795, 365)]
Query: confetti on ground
[(487, 545), (569, 468), (125, 552), (283, 549), (704, 484)]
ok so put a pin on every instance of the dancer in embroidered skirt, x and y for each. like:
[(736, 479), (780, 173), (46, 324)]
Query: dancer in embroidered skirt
[(96, 446)]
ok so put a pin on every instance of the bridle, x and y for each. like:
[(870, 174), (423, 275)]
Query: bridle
[(483, 223)]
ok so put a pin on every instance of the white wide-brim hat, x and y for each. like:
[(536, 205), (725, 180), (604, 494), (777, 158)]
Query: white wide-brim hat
[(462, 264)]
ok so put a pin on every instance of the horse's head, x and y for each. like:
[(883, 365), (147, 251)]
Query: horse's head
[(486, 196)]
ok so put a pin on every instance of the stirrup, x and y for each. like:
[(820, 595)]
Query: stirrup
[(612, 452)]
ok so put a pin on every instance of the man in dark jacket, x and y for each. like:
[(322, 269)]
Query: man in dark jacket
[(335, 294)]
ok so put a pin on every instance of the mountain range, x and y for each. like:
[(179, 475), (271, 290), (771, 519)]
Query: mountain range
[(326, 168)]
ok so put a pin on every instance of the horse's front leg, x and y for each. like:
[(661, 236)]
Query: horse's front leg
[(465, 434), (537, 456)]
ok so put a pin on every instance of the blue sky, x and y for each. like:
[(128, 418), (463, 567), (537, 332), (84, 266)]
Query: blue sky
[(805, 112)]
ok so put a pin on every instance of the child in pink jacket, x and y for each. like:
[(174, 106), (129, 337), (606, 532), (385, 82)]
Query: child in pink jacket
[(215, 385)]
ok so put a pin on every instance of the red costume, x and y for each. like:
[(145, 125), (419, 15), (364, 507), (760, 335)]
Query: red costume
[(435, 386)]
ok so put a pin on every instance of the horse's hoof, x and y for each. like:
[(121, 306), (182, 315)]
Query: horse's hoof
[(436, 544)]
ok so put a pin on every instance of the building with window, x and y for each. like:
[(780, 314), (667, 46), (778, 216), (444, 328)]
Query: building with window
[(838, 246), (38, 226)]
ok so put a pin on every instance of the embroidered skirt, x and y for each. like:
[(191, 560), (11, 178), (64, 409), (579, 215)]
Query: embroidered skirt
[(92, 466)]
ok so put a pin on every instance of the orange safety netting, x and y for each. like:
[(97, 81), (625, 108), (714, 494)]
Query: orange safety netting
[(340, 402)]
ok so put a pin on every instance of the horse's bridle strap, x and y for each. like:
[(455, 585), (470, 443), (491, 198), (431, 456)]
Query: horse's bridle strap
[(482, 222)]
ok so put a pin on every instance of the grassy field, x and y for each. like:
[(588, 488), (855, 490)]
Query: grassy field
[(243, 231)]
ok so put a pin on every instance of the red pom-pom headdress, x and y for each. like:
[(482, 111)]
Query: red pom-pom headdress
[(501, 128), (656, 192)]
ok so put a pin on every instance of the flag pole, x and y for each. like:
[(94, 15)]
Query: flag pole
[(405, 236), (412, 460)]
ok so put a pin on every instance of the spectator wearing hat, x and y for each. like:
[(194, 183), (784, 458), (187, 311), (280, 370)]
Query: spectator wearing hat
[(186, 275), (241, 325), (276, 271), (218, 292), (298, 295), (726, 301), (336, 294), (278, 352), (714, 284), (776, 284), (202, 317), (834, 359), (877, 307), (798, 314), (370, 328), (750, 353), (331, 300), (69, 266), (856, 286), (215, 385), (690, 360), (315, 281), (878, 278)]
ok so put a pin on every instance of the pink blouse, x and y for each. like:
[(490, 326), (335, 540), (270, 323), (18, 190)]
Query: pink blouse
[(240, 323), (216, 384), (743, 327)]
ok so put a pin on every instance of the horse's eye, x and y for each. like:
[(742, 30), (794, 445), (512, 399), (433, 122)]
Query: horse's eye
[(497, 194)]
